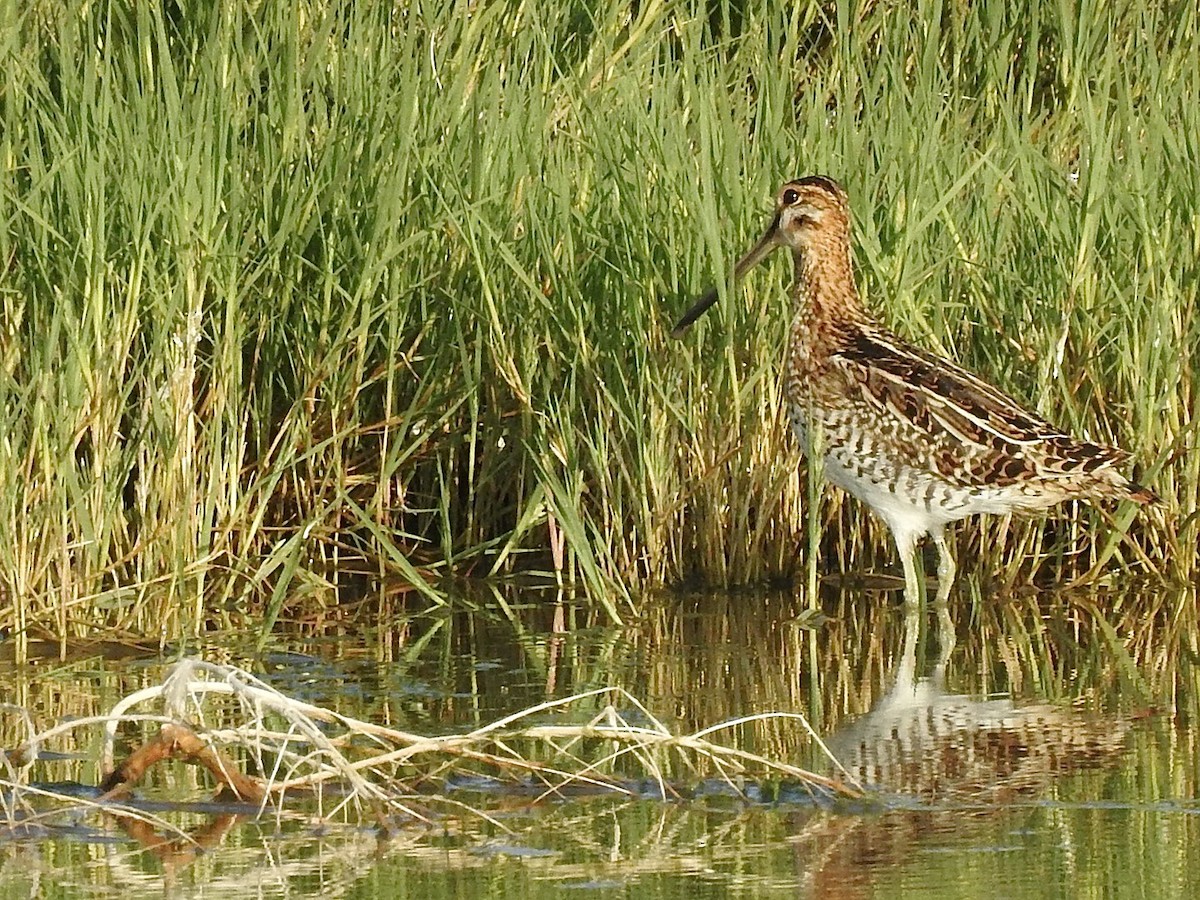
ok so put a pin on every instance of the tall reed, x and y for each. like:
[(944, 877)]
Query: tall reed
[(294, 288)]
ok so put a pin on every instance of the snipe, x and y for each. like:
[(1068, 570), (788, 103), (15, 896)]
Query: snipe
[(918, 439)]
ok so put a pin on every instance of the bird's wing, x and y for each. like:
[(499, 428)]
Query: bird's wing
[(977, 422)]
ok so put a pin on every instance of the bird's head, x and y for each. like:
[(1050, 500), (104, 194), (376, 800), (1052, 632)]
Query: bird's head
[(810, 214)]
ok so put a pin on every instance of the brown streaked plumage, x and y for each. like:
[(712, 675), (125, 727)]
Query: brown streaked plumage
[(920, 440)]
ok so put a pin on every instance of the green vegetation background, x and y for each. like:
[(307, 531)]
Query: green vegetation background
[(295, 289)]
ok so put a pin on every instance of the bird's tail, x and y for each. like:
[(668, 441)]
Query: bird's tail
[(1139, 494)]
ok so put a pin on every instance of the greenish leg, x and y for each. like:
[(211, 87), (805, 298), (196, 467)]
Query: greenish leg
[(946, 571), (946, 568), (907, 545)]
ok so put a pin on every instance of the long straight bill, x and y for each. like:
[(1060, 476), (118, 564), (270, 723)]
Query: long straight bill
[(757, 254)]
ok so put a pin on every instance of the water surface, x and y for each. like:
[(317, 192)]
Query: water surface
[(1041, 745)]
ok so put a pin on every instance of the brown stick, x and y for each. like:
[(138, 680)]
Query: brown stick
[(176, 741)]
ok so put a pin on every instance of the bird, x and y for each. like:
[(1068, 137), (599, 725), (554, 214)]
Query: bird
[(917, 438)]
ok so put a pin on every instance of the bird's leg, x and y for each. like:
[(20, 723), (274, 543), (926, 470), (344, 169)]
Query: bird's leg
[(906, 543), (946, 568)]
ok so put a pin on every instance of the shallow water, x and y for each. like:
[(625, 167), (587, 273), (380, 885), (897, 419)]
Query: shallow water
[(1051, 752)]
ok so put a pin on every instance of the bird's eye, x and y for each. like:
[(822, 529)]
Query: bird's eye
[(790, 196)]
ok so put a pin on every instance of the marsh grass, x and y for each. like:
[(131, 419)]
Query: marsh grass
[(292, 289)]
